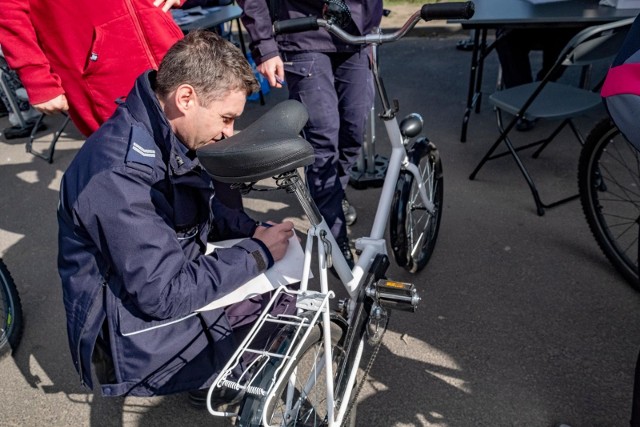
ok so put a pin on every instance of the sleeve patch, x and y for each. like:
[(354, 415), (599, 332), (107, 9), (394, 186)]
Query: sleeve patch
[(142, 147)]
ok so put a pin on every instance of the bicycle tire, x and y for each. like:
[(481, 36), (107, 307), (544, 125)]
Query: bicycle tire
[(11, 321), (311, 414), (412, 230), (609, 179)]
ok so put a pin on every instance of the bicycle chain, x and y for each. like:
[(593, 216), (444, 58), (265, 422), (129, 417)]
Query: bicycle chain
[(354, 398)]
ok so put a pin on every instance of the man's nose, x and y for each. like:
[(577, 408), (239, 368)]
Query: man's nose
[(228, 130)]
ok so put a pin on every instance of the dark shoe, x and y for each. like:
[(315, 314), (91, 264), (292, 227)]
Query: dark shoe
[(223, 399), (343, 243), (350, 214), (18, 131), (524, 125)]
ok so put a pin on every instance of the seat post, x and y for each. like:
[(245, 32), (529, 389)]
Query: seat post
[(292, 182)]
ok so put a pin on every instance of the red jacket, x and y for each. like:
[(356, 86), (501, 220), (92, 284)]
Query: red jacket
[(90, 50)]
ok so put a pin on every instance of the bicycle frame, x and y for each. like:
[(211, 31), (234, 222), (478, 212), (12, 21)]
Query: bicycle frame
[(370, 245), (328, 252)]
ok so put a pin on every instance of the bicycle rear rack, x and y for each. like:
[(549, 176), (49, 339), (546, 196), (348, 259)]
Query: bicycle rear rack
[(281, 352)]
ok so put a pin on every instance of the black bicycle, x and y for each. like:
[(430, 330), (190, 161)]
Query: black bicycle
[(609, 183), (10, 313)]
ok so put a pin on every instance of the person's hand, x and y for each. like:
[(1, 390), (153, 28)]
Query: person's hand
[(52, 106), (168, 4), (275, 238), (273, 70)]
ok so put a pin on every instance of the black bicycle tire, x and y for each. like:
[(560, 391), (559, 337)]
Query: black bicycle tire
[(251, 411), (400, 210), (591, 181), (11, 325)]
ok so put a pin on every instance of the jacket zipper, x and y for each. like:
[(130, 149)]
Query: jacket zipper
[(143, 39), (84, 327)]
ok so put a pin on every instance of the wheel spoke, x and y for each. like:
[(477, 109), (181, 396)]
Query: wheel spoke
[(610, 194)]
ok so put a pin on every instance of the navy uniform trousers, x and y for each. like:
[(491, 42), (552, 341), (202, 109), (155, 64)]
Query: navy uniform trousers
[(337, 90)]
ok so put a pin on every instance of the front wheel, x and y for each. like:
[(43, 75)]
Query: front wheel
[(308, 393), (10, 313), (609, 182), (413, 229)]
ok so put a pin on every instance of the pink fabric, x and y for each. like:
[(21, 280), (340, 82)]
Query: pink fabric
[(623, 79)]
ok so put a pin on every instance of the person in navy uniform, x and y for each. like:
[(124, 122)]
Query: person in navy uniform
[(334, 82), (136, 211)]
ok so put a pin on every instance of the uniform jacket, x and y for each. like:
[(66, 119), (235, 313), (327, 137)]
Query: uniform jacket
[(621, 88), (91, 50), (258, 17), (135, 212)]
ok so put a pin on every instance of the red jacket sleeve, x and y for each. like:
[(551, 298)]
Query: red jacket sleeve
[(20, 46)]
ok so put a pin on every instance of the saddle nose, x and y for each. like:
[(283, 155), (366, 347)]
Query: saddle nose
[(268, 147)]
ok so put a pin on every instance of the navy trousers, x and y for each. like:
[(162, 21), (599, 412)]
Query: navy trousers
[(337, 90), (515, 45)]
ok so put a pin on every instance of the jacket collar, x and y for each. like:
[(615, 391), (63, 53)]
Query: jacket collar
[(145, 109)]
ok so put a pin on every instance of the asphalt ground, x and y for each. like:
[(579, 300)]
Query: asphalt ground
[(522, 322)]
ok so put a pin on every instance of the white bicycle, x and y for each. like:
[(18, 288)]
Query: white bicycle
[(308, 375)]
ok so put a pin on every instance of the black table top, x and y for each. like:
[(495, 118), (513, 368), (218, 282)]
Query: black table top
[(210, 17), (494, 13)]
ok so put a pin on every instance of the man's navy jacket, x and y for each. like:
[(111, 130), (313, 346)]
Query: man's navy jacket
[(135, 212)]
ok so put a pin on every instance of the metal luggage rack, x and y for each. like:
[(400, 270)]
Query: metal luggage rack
[(283, 351)]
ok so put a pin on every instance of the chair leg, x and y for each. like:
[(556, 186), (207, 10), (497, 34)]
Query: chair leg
[(550, 138), (525, 173), (52, 145), (503, 134), (540, 206)]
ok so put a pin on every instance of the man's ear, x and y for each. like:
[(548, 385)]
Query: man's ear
[(185, 98)]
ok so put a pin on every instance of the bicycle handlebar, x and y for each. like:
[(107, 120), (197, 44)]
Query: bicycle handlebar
[(428, 12), (456, 10)]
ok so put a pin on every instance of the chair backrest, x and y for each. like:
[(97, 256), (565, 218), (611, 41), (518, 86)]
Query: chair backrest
[(595, 43)]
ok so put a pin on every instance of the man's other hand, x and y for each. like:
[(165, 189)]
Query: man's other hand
[(273, 70), (52, 106), (275, 238), (166, 4)]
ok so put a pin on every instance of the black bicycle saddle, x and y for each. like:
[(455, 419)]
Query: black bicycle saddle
[(268, 147)]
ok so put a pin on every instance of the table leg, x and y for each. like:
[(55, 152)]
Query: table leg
[(471, 93)]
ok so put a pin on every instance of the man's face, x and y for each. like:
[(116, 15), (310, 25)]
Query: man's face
[(206, 125)]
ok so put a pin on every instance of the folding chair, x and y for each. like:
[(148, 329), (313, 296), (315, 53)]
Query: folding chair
[(549, 100)]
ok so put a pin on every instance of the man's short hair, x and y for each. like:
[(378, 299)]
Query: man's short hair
[(209, 63)]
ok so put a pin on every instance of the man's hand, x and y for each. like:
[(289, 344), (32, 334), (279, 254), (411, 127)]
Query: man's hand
[(168, 4), (273, 70), (275, 238), (52, 106)]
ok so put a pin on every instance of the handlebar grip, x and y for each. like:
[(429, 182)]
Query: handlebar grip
[(457, 10), (296, 25)]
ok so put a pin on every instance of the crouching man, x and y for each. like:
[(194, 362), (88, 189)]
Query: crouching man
[(136, 211)]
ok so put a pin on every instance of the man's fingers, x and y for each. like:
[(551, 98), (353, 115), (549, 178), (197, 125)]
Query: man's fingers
[(168, 4)]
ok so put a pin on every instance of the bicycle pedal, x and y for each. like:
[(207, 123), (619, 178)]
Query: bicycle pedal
[(394, 295)]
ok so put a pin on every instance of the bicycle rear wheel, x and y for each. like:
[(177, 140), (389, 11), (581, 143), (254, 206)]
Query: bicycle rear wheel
[(10, 313), (310, 408), (412, 229), (609, 182)]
